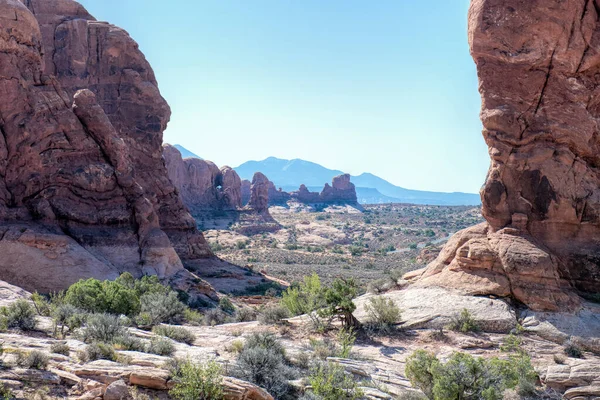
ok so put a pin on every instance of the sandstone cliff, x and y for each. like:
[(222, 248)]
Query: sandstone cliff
[(83, 187), (538, 64)]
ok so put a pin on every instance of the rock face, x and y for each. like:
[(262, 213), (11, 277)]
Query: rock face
[(340, 191), (277, 196), (246, 186), (83, 188), (201, 184), (538, 64), (259, 193), (303, 195)]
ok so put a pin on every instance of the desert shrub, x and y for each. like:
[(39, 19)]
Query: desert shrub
[(245, 314), (236, 346), (463, 322), (34, 359), (305, 298), (265, 340), (323, 349), (346, 338), (67, 317), (572, 350), (21, 315), (192, 317), (466, 377), (103, 328), (177, 333), (226, 305), (6, 393), (262, 362), (411, 395), (214, 317), (162, 307), (60, 348), (330, 381), (559, 358), (302, 360), (339, 304), (128, 343), (41, 304), (382, 313), (511, 344), (161, 346), (273, 314), (99, 351), (198, 382)]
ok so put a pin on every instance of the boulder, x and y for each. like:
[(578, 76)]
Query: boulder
[(117, 390), (237, 389), (341, 191)]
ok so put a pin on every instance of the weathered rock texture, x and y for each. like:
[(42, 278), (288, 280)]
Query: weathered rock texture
[(277, 196), (201, 184), (259, 193), (246, 186), (538, 64), (83, 187)]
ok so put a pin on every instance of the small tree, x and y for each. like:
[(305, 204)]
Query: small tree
[(198, 382), (306, 298), (339, 304)]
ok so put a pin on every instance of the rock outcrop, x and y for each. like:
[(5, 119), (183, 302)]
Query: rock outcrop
[(246, 186), (201, 184), (340, 191), (278, 197), (303, 195), (259, 194), (538, 64), (83, 188)]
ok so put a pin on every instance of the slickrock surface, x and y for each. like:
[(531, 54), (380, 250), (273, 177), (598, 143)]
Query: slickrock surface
[(84, 191), (538, 64), (201, 184)]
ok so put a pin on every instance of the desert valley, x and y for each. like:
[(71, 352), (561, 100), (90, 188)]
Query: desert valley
[(131, 268)]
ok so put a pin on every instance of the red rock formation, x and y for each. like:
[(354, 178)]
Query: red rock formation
[(201, 185), (303, 195), (538, 63), (340, 191), (278, 196), (83, 191), (259, 194), (246, 187)]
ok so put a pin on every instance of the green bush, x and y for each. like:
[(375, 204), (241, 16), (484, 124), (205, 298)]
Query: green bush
[(96, 296), (41, 304), (264, 340), (34, 359), (21, 315), (60, 348), (273, 315), (306, 298), (99, 351), (128, 343), (162, 307), (161, 346), (382, 313), (329, 381), (339, 302), (103, 328), (466, 377), (6, 393), (463, 322), (198, 382), (177, 333)]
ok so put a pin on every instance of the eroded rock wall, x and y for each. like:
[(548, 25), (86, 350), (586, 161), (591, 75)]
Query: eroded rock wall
[(538, 64)]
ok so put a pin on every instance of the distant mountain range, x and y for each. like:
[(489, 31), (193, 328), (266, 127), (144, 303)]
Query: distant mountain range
[(370, 189), (185, 153)]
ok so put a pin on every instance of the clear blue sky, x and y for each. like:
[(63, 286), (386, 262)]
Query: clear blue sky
[(383, 86)]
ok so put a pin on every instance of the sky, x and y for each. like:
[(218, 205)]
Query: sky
[(386, 87)]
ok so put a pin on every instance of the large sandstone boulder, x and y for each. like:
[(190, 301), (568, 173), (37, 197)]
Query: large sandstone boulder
[(83, 188), (538, 64)]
